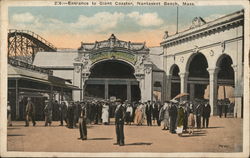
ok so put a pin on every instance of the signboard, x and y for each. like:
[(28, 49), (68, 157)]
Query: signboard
[(113, 55)]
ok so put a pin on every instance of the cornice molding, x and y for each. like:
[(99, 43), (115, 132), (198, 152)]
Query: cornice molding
[(205, 47), (218, 25)]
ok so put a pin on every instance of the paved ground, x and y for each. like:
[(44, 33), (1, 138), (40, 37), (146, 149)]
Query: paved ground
[(224, 135)]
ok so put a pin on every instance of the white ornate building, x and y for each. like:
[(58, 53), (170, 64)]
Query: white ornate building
[(115, 68), (206, 57)]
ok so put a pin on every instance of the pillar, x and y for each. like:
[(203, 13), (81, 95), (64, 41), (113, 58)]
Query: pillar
[(17, 100), (51, 93), (213, 90), (106, 89), (61, 94), (192, 91), (168, 87), (238, 89), (77, 81), (183, 77), (129, 91)]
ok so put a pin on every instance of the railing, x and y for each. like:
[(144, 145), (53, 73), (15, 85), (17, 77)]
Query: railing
[(35, 36), (18, 63)]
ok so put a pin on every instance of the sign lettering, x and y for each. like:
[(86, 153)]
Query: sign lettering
[(113, 55)]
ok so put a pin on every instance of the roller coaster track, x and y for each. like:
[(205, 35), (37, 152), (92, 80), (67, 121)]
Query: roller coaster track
[(24, 44)]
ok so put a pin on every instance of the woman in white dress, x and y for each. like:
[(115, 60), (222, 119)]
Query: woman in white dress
[(105, 113)]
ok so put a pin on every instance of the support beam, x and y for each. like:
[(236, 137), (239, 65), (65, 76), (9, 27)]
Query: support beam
[(51, 93), (17, 100)]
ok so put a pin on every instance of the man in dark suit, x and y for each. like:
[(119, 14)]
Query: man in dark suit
[(149, 110), (206, 114), (173, 116), (82, 121), (119, 122), (198, 113)]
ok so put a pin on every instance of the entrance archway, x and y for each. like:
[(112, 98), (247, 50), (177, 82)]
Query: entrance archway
[(175, 80), (225, 82), (112, 78), (198, 76)]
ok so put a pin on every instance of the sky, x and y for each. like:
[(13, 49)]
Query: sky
[(67, 27)]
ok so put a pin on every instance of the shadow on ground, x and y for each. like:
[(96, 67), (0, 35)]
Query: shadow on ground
[(139, 143), (195, 134), (13, 135), (214, 127), (100, 138), (12, 128)]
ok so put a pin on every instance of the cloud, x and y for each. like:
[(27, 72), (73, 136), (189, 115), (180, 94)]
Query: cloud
[(23, 18), (96, 27), (101, 21), (146, 19)]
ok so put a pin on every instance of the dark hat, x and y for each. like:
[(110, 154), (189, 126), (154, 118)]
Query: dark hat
[(118, 100)]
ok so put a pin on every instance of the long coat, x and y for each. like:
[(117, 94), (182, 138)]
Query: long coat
[(206, 111), (139, 114), (164, 115), (180, 120)]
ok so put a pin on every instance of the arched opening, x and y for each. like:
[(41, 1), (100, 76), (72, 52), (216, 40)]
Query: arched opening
[(198, 76), (225, 82), (175, 80), (112, 69), (112, 78)]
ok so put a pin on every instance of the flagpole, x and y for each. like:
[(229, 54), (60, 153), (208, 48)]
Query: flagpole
[(177, 18)]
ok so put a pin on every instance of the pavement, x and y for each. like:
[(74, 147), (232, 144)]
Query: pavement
[(223, 135)]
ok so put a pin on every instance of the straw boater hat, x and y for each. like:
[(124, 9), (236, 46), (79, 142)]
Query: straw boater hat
[(173, 101)]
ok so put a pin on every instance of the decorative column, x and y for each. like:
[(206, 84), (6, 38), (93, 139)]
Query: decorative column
[(183, 77), (128, 91), (213, 89), (106, 89), (148, 90), (238, 92), (77, 80), (140, 78), (168, 87), (192, 91)]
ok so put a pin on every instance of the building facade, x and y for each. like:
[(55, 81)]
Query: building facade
[(206, 61), (115, 68), (205, 58)]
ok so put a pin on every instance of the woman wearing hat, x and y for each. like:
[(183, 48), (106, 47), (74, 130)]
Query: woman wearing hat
[(180, 120), (105, 113), (48, 113), (191, 120)]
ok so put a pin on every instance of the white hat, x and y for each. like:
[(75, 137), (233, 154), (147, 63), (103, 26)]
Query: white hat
[(174, 101)]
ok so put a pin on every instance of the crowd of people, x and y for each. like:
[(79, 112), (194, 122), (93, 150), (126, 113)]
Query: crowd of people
[(176, 116)]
